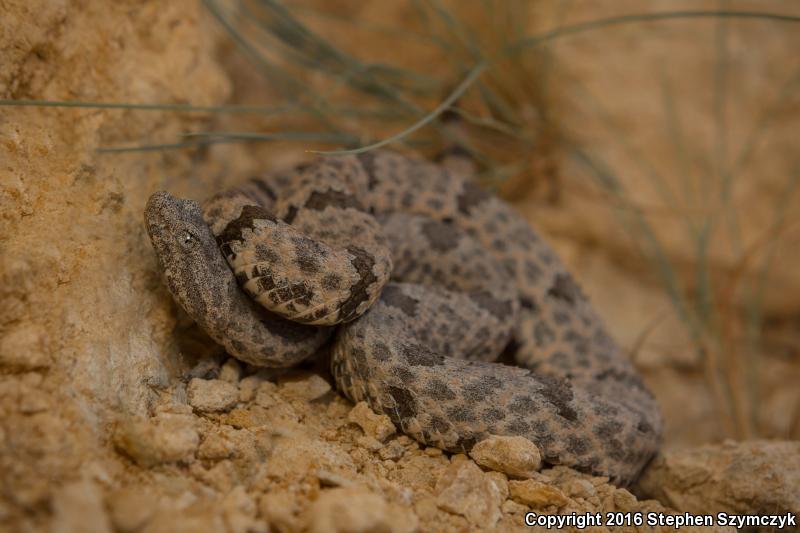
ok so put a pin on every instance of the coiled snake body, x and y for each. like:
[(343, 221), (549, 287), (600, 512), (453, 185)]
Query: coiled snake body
[(429, 278)]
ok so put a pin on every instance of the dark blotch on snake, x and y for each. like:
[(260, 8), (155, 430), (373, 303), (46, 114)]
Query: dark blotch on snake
[(416, 355), (498, 308), (471, 196), (558, 393), (405, 406), (565, 289), (393, 296), (441, 237), (246, 220)]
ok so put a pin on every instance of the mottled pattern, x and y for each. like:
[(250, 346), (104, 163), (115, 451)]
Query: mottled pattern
[(430, 278)]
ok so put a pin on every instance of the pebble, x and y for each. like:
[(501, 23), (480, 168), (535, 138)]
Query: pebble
[(378, 426), (516, 456), (231, 371), (308, 387), (78, 507), (536, 494), (215, 447), (464, 489), (130, 508), (247, 388), (165, 438), (211, 395), (357, 510)]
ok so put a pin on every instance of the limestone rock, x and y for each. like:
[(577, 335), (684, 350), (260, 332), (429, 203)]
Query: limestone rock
[(516, 456), (78, 508), (356, 510), (306, 387), (131, 508), (210, 395), (736, 477), (466, 490), (373, 424), (536, 494), (165, 438)]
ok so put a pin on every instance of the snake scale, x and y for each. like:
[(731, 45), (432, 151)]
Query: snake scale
[(417, 279)]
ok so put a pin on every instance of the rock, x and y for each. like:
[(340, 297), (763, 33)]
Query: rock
[(516, 456), (215, 447), (165, 438), (307, 387), (239, 513), (230, 371), (211, 395), (280, 509), (501, 482), (25, 347), (248, 387), (752, 477), (536, 494), (466, 490), (78, 508), (373, 424), (356, 510), (579, 488), (393, 450), (369, 443), (131, 508)]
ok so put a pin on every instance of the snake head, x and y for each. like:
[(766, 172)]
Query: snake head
[(187, 251)]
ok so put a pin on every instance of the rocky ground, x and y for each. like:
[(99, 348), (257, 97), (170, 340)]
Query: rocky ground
[(117, 414)]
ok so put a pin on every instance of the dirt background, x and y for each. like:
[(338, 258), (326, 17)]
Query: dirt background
[(101, 426)]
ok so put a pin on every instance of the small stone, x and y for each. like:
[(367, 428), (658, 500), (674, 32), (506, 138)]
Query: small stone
[(516, 456), (231, 371), (239, 513), (215, 447), (131, 508), (165, 438), (501, 482), (280, 508), (78, 507), (580, 488), (536, 494), (370, 443), (210, 395), (308, 387), (464, 489), (375, 425), (430, 451), (266, 394), (394, 451), (247, 388), (512, 507), (356, 510)]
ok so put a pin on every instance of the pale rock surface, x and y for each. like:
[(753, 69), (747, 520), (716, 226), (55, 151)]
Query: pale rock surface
[(210, 395), (750, 477), (378, 426), (536, 494), (78, 508), (356, 510), (165, 438), (466, 490), (516, 456)]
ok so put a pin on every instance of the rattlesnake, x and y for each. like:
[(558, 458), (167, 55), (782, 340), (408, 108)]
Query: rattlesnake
[(429, 279)]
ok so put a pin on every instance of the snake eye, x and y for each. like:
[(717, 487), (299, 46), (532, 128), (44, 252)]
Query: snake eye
[(187, 240)]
